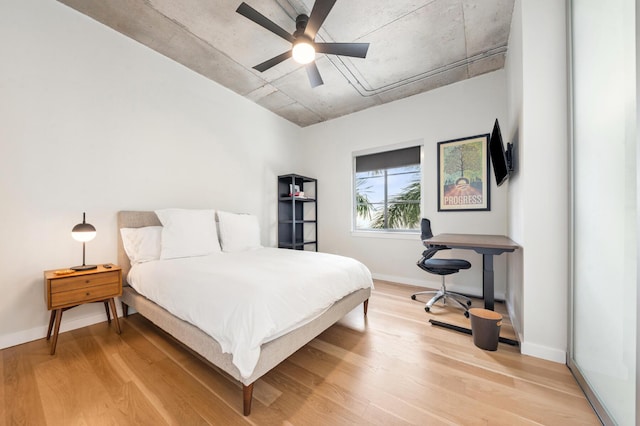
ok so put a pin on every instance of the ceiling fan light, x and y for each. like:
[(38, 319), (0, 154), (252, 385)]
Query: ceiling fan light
[(303, 52)]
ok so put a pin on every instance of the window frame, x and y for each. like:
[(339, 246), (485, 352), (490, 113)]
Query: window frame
[(386, 233)]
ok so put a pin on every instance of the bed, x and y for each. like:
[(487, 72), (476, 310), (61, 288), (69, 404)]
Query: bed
[(273, 351)]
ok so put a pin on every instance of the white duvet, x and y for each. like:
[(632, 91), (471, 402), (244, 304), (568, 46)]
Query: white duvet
[(247, 298)]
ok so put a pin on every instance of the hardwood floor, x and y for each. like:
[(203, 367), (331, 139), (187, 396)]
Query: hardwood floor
[(391, 368)]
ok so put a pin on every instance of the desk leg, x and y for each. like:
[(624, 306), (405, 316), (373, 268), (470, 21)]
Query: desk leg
[(487, 281)]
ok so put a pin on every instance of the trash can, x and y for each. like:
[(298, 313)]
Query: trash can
[(485, 328)]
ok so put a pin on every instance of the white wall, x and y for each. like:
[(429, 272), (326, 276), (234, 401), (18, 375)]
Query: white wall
[(539, 192), (463, 109), (93, 121)]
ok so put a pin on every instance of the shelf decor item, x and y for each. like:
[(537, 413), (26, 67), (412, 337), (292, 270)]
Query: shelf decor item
[(294, 190), (83, 232)]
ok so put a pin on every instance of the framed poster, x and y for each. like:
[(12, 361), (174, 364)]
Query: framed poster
[(463, 174)]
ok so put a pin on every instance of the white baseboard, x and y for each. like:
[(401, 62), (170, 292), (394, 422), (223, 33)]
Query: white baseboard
[(472, 291), (25, 336), (544, 352), (399, 280), (514, 321)]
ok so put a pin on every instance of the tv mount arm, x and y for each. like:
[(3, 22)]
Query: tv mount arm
[(509, 155)]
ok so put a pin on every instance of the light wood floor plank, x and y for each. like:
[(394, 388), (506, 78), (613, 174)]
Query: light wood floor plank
[(22, 403), (137, 396), (137, 403), (172, 403), (91, 400), (417, 392), (389, 368)]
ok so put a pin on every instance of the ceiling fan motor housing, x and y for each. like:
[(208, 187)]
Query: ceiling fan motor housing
[(301, 25)]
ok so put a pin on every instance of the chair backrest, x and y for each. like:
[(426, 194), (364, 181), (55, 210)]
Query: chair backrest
[(425, 233), (425, 228)]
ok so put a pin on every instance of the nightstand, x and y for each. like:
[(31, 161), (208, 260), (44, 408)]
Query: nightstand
[(66, 291)]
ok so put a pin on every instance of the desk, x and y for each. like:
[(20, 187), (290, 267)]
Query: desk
[(487, 246)]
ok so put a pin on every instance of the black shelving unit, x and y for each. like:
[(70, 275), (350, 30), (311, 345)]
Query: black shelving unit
[(297, 214)]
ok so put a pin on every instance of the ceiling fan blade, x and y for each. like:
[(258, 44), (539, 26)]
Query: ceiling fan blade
[(252, 14), (321, 9), (273, 61), (314, 74), (357, 50)]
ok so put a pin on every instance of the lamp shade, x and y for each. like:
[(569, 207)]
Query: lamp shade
[(83, 231)]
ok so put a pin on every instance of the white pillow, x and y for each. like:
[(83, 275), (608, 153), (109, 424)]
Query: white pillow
[(141, 244), (238, 232), (188, 233)]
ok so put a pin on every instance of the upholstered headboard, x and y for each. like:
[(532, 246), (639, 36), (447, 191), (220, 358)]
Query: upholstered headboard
[(132, 219)]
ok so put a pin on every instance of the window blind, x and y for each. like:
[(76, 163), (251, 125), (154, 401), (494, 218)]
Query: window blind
[(388, 159)]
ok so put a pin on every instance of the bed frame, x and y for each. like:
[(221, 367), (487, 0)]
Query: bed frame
[(272, 353)]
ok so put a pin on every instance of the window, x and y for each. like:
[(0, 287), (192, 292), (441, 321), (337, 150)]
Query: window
[(388, 190)]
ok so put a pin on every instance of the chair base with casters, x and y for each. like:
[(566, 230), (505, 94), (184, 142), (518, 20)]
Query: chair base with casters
[(443, 294)]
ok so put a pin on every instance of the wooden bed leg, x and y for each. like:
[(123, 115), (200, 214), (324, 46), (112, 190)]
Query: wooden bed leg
[(365, 305), (125, 309), (247, 395)]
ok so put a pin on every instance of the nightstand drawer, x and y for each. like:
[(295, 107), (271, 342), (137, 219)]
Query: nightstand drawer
[(85, 294), (84, 281)]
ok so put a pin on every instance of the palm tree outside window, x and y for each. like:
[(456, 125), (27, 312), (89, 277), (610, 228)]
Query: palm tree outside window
[(388, 190)]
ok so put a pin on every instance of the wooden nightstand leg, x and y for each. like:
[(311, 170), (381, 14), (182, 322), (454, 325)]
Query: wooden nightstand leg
[(51, 320), (56, 330), (112, 303), (106, 308)]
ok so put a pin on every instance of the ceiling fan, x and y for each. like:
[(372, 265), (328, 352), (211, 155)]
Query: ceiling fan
[(304, 47)]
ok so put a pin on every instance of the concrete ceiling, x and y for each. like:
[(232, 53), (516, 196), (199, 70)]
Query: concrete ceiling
[(415, 46)]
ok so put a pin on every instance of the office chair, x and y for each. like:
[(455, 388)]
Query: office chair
[(440, 267)]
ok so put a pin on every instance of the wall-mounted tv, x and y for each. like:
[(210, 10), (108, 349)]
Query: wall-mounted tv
[(500, 158)]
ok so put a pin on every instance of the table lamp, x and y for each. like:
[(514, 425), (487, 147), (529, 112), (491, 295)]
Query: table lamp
[(83, 232)]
